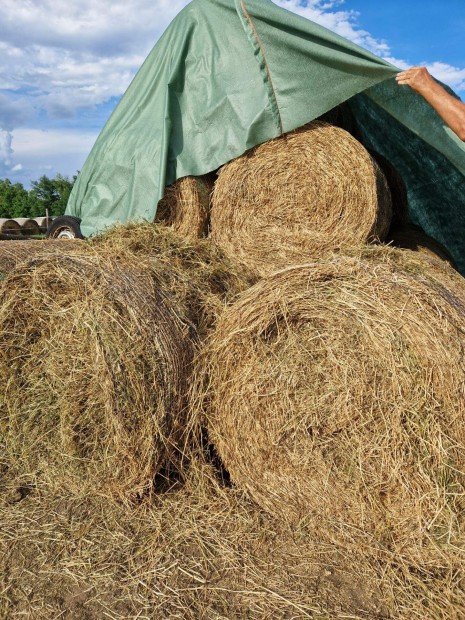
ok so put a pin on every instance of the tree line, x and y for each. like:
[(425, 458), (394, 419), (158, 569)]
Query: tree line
[(45, 194)]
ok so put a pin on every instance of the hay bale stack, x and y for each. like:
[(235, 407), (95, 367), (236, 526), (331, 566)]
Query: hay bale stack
[(294, 199), (185, 206), (94, 359), (13, 252), (415, 239), (335, 395)]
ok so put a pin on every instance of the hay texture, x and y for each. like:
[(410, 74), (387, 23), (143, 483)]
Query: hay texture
[(14, 252), (94, 357), (185, 206), (335, 396), (294, 199), (29, 226), (198, 273), (198, 551)]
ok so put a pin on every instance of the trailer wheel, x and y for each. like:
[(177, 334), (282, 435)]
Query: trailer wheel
[(65, 227)]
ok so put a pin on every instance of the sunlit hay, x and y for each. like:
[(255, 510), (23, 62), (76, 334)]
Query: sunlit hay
[(94, 359), (193, 269), (400, 212), (294, 199), (13, 252), (200, 550), (413, 238), (10, 227), (186, 205), (334, 393)]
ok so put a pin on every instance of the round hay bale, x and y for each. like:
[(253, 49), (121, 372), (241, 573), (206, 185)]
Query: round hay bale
[(30, 227), (13, 252), (185, 206), (294, 199), (415, 239), (334, 393), (10, 227), (94, 359)]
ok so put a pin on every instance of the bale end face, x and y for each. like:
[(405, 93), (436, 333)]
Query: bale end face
[(296, 199)]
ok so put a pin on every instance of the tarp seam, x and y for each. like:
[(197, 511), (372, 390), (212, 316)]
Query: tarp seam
[(260, 45)]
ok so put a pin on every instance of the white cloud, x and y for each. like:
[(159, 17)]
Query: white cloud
[(71, 55), (47, 144), (343, 23), (40, 152), (453, 76), (5, 147)]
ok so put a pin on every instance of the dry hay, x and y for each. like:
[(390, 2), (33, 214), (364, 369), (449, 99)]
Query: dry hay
[(196, 551), (200, 550), (195, 270), (186, 206), (13, 252), (294, 199), (334, 393), (415, 239), (94, 358)]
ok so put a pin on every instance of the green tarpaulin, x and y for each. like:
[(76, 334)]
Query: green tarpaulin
[(229, 74)]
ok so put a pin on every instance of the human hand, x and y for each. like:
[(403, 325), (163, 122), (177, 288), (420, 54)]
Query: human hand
[(417, 78)]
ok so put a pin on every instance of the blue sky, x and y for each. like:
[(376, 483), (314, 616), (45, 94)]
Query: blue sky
[(64, 64)]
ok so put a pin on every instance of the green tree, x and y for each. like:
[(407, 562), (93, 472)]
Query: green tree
[(14, 200), (52, 194)]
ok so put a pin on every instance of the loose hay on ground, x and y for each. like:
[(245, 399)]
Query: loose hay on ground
[(94, 359), (296, 198), (198, 551), (335, 395), (185, 206)]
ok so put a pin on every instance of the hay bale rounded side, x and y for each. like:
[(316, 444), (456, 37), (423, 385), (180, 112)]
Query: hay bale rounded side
[(334, 393), (10, 227), (185, 206), (30, 227), (296, 198), (400, 212), (94, 357), (44, 223)]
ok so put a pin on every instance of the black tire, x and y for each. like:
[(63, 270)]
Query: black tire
[(65, 227)]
